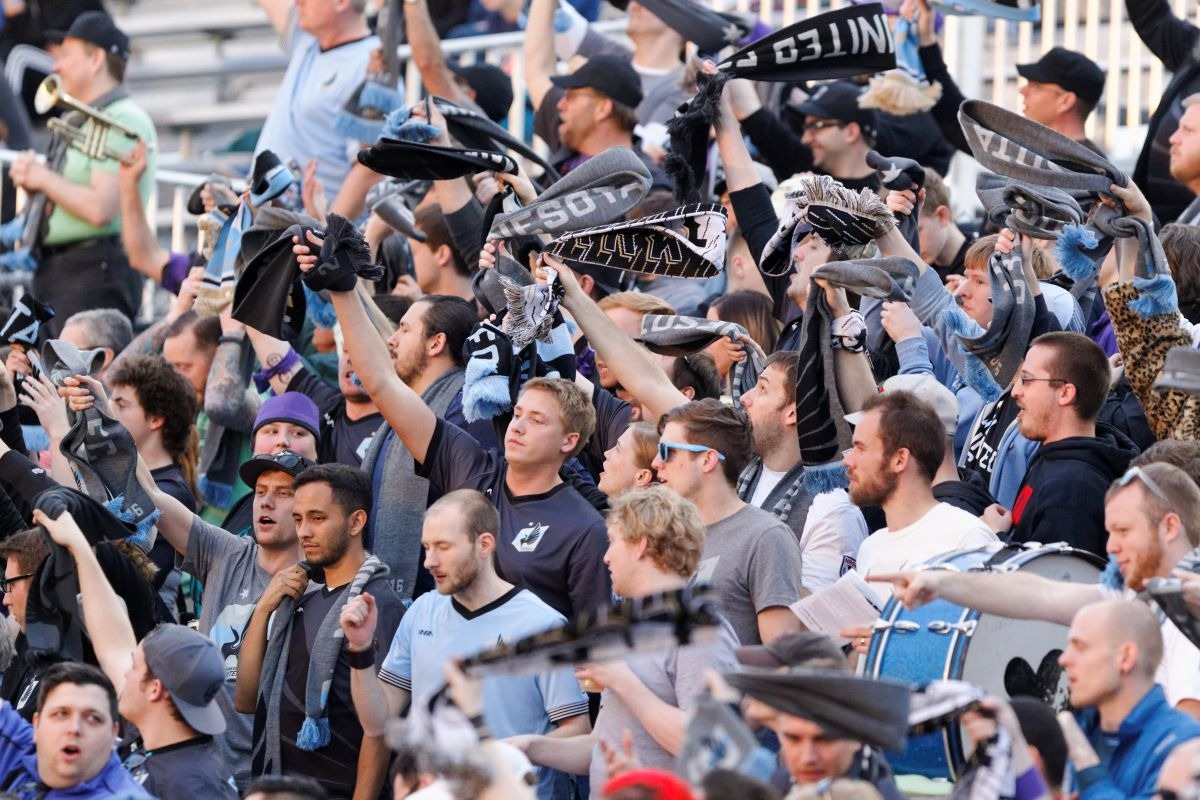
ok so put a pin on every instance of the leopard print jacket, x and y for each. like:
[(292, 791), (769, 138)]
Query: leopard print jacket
[(1144, 343)]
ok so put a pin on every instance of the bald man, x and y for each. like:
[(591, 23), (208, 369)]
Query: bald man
[(1113, 650), (1179, 771)]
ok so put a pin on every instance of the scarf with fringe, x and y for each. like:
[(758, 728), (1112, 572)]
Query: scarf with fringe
[(314, 732)]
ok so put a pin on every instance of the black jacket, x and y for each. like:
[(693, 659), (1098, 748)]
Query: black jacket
[(1173, 41), (1062, 496), (969, 492)]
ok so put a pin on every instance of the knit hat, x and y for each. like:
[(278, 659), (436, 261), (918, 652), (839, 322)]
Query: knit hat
[(872, 711), (292, 407), (1027, 11), (600, 190), (25, 322), (269, 179), (688, 242), (855, 40)]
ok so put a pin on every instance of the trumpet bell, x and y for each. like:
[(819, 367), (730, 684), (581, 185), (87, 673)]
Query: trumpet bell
[(47, 95)]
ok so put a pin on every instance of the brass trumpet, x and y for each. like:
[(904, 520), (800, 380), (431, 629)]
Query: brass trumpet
[(91, 140)]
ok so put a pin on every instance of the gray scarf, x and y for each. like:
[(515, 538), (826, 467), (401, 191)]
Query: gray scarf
[(403, 495), (99, 448), (1002, 346), (674, 335), (604, 188), (314, 733)]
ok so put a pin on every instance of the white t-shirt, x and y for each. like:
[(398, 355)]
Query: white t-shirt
[(942, 530), (768, 479), (834, 530)]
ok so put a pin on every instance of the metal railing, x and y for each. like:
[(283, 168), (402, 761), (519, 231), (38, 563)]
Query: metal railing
[(982, 53)]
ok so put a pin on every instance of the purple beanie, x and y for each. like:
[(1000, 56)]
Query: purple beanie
[(291, 407)]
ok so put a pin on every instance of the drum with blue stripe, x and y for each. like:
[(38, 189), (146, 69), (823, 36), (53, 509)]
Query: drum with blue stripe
[(1004, 656)]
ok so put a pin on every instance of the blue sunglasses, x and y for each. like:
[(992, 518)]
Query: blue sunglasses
[(665, 448)]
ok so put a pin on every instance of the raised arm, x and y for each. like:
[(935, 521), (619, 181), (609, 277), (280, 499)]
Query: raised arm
[(175, 521), (270, 352), (633, 365), (427, 53), (403, 408), (278, 12), (539, 55), (228, 399), (104, 614), (145, 254)]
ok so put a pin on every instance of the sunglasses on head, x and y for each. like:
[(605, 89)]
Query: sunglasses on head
[(665, 448), (1137, 473)]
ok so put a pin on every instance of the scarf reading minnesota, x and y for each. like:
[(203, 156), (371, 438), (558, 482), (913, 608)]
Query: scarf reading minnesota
[(856, 40)]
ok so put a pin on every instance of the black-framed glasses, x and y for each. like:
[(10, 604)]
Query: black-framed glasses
[(665, 448), (822, 124), (1023, 379), (6, 583), (1137, 473)]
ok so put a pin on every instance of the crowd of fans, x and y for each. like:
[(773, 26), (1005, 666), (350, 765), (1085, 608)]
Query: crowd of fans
[(431, 401)]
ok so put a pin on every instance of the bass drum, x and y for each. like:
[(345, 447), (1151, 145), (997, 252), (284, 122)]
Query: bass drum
[(1005, 657)]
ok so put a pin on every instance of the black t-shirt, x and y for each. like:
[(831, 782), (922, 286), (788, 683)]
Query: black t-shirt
[(343, 440), (192, 769), (169, 480), (551, 543), (612, 418), (335, 765)]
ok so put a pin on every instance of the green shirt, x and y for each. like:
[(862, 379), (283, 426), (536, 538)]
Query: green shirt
[(64, 227)]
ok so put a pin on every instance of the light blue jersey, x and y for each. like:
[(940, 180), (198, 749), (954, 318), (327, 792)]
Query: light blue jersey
[(437, 628)]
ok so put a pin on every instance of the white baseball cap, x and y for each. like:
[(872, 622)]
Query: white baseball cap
[(925, 388)]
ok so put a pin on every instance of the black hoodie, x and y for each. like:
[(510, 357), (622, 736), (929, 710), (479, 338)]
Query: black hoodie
[(1062, 496), (969, 492)]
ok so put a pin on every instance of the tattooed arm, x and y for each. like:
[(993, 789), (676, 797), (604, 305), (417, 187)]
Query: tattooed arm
[(228, 400), (270, 352)]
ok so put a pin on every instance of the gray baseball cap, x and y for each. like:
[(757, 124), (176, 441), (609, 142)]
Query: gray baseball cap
[(190, 667)]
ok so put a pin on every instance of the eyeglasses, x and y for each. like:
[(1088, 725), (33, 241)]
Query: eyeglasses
[(1023, 379), (665, 448), (6, 583), (1137, 473), (822, 124)]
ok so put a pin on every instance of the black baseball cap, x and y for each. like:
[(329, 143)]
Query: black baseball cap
[(837, 100), (1073, 71), (611, 75), (493, 89), (287, 461), (98, 28)]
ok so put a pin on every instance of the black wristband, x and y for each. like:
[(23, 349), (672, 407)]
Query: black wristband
[(231, 338), (363, 659)]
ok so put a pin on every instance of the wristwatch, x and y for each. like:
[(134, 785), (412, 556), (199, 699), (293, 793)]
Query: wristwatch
[(363, 659)]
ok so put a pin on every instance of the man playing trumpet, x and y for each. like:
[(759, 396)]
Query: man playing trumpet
[(80, 263)]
